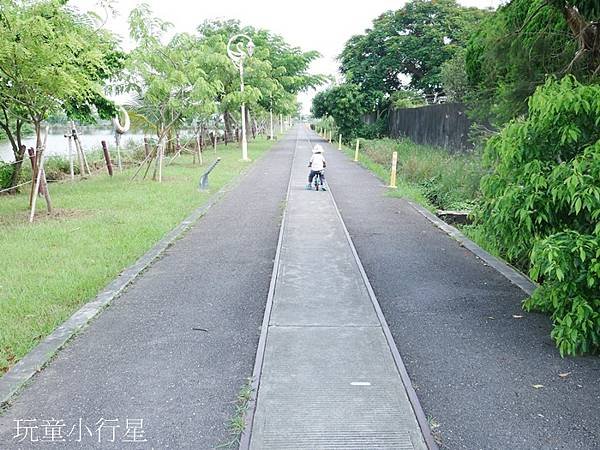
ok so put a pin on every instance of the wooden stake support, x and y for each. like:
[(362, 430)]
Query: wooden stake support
[(40, 181)]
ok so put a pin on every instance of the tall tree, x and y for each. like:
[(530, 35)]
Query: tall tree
[(346, 104), (274, 75), (170, 81), (51, 59), (407, 47)]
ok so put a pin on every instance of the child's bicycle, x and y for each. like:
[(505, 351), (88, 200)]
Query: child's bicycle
[(317, 181)]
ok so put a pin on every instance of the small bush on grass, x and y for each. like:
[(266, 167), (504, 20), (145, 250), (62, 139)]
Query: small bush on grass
[(56, 167), (6, 171)]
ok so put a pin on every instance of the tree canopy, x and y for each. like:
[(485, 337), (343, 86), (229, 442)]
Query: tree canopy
[(52, 59), (516, 48), (171, 81), (275, 73), (407, 47), (345, 104)]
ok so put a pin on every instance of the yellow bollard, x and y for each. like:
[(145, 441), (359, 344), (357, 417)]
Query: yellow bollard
[(393, 172), (356, 151), (340, 142)]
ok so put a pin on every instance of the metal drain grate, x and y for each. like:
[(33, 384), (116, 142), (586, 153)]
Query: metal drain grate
[(339, 439)]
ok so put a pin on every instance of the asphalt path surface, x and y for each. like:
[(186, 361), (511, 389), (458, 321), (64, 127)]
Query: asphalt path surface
[(177, 346), (473, 355)]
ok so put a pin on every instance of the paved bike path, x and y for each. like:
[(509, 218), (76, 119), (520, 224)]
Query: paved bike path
[(472, 353), (329, 378), (177, 346)]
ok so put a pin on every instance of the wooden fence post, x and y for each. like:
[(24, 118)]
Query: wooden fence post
[(107, 158), (36, 187), (40, 181)]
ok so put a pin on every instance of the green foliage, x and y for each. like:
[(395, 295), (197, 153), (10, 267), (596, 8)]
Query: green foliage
[(6, 174), (541, 205), (515, 50), (52, 58), (454, 77), (345, 104), (171, 81), (407, 47), (405, 98), (375, 130), (274, 74)]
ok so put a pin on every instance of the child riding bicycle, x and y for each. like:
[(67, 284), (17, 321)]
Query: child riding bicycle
[(317, 165)]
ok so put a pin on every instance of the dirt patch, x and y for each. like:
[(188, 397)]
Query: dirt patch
[(57, 215), (10, 360)]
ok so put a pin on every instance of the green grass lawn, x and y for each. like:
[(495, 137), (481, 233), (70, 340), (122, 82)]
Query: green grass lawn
[(100, 226)]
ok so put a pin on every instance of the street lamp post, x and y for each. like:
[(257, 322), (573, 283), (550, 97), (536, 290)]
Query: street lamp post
[(237, 53)]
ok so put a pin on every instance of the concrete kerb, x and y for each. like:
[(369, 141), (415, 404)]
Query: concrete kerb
[(262, 341), (513, 275), (22, 372)]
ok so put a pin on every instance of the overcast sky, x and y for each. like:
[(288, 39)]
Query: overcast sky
[(310, 24)]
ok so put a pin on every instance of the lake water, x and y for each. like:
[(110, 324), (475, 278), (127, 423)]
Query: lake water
[(57, 143)]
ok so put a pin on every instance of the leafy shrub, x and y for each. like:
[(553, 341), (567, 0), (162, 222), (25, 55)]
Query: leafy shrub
[(345, 103), (374, 130), (56, 167), (6, 171), (541, 205)]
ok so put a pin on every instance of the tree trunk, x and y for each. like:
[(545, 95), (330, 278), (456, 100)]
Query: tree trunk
[(18, 151), (588, 36), (248, 125), (16, 172), (228, 126)]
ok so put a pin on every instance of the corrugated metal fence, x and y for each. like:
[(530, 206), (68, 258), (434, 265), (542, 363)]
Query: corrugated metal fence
[(445, 125)]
